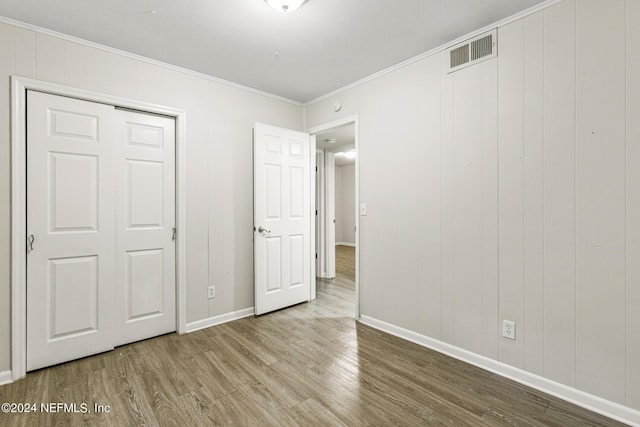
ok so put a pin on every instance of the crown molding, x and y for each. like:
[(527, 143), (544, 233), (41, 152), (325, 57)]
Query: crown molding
[(141, 58), (373, 76), (436, 50)]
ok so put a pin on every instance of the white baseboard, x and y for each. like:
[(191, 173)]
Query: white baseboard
[(353, 245), (5, 377), (593, 403), (218, 320)]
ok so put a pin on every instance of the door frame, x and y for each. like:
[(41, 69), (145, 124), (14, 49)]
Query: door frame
[(324, 127), (19, 87), (329, 209), (319, 214)]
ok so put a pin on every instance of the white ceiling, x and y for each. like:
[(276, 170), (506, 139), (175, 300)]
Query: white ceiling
[(321, 47)]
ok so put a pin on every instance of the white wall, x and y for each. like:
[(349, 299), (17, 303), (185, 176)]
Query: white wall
[(345, 204), (527, 197), (219, 124)]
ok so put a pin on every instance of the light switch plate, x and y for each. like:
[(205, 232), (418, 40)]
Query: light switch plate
[(363, 209)]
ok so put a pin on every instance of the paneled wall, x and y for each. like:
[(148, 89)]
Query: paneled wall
[(219, 124), (470, 127), (601, 198), (632, 291), (526, 203)]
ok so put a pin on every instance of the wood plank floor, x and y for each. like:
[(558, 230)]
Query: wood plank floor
[(346, 262), (308, 365)]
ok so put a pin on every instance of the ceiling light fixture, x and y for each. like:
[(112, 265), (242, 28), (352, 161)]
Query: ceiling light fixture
[(330, 140), (347, 155), (285, 6)]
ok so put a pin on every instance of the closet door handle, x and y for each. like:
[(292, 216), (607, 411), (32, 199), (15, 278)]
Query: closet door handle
[(30, 240), (173, 236)]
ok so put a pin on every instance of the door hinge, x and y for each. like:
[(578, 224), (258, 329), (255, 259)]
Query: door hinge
[(316, 212), (173, 234), (316, 256)]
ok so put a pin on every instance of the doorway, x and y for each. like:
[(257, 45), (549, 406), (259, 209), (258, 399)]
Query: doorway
[(337, 218)]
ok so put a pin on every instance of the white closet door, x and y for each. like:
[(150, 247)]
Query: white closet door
[(70, 223), (145, 220), (100, 221)]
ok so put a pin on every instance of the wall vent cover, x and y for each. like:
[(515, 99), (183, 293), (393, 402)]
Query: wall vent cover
[(459, 56), (473, 51)]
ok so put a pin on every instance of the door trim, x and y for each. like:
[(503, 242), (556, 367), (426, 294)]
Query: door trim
[(320, 223), (330, 125), (19, 87), (329, 207)]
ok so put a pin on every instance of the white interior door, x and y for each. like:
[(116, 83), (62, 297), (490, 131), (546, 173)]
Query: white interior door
[(70, 229), (145, 220), (282, 220)]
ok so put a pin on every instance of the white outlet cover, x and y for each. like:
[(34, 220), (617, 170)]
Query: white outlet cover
[(509, 329)]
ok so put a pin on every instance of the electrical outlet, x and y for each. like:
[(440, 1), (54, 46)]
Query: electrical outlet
[(509, 329), (211, 292)]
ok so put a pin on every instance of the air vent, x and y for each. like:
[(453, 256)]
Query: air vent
[(473, 51), (482, 47), (459, 56)]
